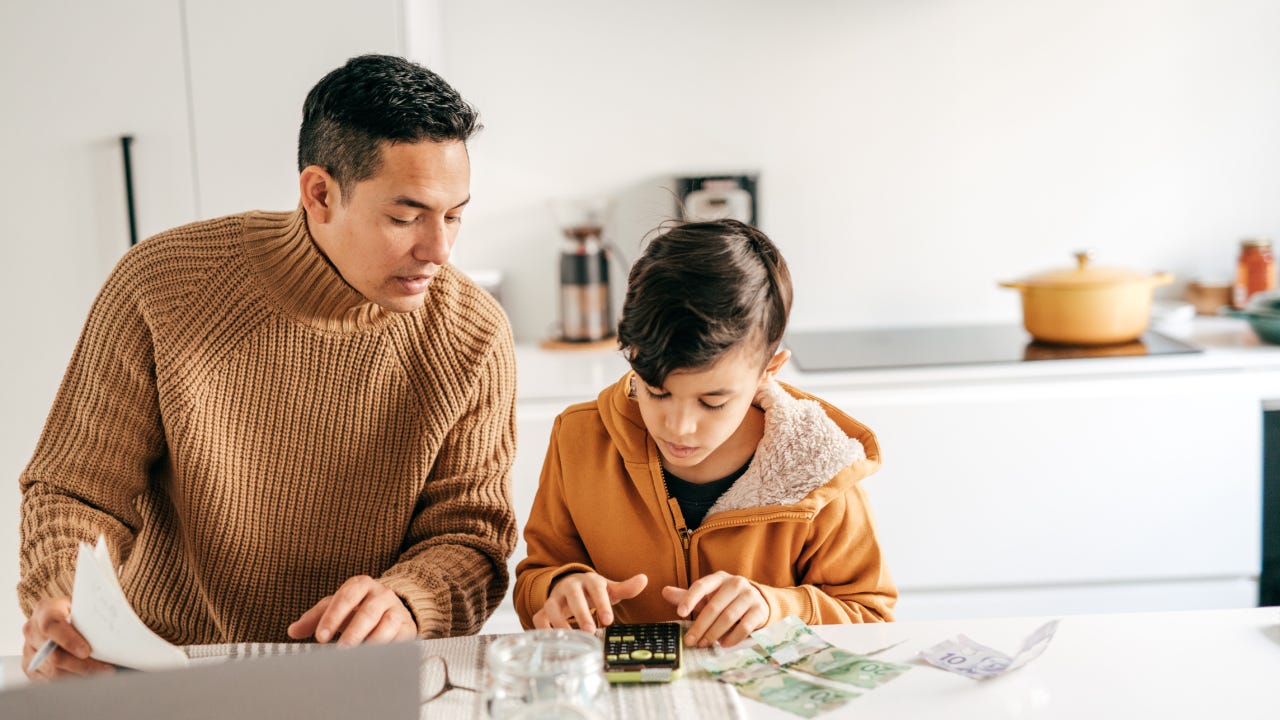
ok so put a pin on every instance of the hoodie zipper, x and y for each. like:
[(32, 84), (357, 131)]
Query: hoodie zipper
[(682, 529)]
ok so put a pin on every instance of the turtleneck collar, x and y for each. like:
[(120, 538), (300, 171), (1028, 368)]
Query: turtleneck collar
[(300, 280)]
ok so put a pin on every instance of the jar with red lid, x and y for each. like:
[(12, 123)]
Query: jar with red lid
[(1255, 270)]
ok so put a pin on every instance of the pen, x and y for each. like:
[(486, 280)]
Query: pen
[(41, 655)]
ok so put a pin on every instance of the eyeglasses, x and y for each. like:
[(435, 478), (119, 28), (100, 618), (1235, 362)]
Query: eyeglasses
[(434, 673)]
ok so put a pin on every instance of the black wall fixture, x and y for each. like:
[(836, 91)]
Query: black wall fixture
[(125, 142), (1269, 582)]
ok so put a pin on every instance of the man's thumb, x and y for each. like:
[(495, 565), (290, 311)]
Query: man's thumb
[(628, 588)]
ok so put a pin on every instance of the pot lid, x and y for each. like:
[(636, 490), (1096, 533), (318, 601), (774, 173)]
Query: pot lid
[(1085, 274)]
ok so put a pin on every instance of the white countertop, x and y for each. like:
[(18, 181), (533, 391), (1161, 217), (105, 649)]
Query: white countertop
[(1217, 663), (1229, 345), (1221, 663)]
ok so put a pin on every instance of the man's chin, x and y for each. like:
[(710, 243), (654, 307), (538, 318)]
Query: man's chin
[(402, 304)]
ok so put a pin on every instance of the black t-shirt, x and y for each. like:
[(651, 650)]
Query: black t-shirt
[(697, 498)]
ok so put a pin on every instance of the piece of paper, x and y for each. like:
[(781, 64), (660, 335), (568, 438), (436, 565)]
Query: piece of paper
[(965, 657), (102, 614), (756, 677), (794, 645)]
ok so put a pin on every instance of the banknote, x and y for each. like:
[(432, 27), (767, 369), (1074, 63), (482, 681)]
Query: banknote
[(756, 677), (964, 656), (795, 646)]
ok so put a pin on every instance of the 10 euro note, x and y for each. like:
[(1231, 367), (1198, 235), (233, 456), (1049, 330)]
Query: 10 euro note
[(965, 657), (757, 678), (794, 645)]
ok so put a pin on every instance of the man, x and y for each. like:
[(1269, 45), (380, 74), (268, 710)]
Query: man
[(292, 425)]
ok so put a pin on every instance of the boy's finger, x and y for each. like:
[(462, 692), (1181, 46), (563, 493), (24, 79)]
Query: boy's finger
[(726, 619), (581, 611), (628, 588), (699, 590), (600, 599)]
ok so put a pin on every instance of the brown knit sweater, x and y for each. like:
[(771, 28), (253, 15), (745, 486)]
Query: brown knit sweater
[(248, 432)]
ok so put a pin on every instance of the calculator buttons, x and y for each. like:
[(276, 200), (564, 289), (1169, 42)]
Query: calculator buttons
[(641, 654)]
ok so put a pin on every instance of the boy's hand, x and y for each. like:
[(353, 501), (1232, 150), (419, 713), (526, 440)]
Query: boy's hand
[(573, 596), (729, 609), (363, 610)]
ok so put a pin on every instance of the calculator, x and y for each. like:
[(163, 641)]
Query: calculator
[(642, 652)]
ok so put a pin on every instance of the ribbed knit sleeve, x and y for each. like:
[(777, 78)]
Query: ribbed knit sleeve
[(102, 435), (453, 572)]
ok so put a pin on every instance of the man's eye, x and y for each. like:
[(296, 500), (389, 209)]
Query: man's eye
[(453, 219), (657, 395), (709, 406), (398, 221)]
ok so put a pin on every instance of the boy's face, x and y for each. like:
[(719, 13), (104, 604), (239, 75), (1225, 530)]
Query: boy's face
[(392, 232), (698, 412)]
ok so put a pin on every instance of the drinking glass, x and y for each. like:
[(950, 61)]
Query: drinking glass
[(546, 674)]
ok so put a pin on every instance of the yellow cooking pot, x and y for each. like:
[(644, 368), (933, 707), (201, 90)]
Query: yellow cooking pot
[(1087, 305)]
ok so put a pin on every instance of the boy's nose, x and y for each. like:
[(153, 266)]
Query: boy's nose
[(681, 424)]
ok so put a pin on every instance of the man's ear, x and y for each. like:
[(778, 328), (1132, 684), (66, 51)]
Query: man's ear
[(320, 193), (775, 364)]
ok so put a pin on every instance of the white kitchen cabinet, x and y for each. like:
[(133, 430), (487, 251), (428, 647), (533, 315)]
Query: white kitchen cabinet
[(1073, 486)]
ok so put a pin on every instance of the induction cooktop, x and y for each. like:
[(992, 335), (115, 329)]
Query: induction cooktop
[(845, 349)]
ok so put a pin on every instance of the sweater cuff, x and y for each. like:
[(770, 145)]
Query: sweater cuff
[(787, 601), (59, 583), (535, 594), (424, 605)]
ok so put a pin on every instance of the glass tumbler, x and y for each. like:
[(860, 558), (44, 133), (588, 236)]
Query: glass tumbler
[(546, 674)]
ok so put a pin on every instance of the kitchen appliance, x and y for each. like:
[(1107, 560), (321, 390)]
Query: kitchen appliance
[(1087, 305), (585, 314), (892, 348), (715, 197)]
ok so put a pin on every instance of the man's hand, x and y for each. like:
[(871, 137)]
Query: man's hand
[(573, 596), (50, 621), (729, 609), (363, 610)]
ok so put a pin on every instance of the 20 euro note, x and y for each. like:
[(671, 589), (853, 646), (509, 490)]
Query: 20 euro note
[(795, 646), (756, 677), (965, 657)]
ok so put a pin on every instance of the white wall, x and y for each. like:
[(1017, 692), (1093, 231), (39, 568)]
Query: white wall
[(911, 153)]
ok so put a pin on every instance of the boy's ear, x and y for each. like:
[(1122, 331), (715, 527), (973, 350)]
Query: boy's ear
[(775, 364)]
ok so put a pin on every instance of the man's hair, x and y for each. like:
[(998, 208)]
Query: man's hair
[(374, 99), (699, 290)]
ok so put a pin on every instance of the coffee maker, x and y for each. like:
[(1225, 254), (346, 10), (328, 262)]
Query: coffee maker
[(585, 313)]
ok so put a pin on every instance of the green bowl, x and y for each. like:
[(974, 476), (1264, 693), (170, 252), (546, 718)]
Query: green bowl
[(1265, 325)]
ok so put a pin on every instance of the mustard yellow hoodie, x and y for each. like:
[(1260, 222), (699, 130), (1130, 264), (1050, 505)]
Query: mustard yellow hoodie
[(797, 523)]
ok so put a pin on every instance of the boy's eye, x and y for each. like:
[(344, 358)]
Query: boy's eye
[(398, 221), (709, 406), (453, 219), (655, 394)]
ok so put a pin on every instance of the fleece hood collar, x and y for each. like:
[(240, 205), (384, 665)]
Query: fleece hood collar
[(810, 451)]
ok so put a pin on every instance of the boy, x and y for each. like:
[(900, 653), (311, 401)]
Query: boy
[(699, 485)]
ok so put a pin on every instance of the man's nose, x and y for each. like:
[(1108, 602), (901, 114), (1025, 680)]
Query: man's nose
[(433, 244)]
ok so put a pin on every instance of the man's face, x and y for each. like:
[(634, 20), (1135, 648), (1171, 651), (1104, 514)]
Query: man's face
[(390, 234), (699, 410)]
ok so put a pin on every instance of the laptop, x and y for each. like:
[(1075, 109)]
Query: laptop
[(378, 681)]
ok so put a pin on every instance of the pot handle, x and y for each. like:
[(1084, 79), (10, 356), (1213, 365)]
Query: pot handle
[(1014, 285), (1161, 278)]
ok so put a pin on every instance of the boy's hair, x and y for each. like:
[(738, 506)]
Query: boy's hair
[(699, 290), (374, 99)]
